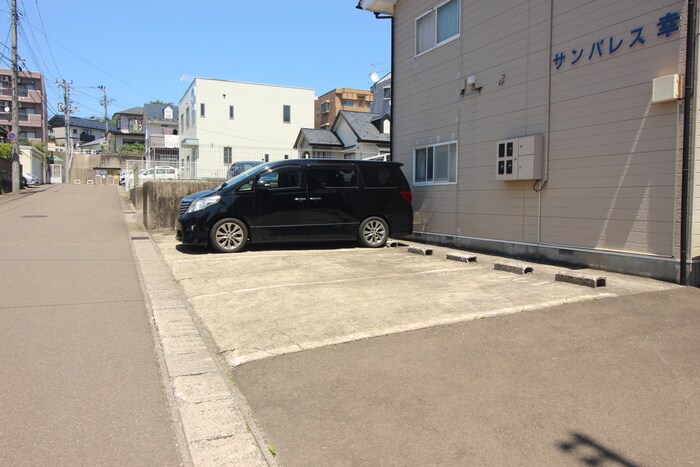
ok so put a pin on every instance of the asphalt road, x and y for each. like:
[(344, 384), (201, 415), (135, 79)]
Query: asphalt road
[(79, 377), (608, 382)]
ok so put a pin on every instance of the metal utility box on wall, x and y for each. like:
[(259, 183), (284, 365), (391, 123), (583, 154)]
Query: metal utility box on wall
[(666, 89), (520, 158)]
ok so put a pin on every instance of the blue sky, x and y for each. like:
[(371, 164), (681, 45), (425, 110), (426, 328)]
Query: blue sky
[(140, 50)]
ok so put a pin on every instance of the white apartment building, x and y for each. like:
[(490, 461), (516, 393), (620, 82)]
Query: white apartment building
[(226, 121)]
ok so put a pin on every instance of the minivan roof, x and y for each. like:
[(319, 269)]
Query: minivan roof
[(329, 161)]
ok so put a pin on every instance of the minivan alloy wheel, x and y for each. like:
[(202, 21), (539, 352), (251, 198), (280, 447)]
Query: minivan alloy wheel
[(374, 232), (229, 235)]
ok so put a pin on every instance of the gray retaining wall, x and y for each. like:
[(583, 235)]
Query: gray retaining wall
[(160, 200)]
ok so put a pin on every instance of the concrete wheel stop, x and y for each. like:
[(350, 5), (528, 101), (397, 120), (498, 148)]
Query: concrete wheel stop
[(515, 268), (580, 279)]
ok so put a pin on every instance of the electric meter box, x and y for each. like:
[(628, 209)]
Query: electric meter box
[(520, 158)]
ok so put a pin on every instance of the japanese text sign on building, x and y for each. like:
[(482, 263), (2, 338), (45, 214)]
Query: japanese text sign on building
[(666, 26)]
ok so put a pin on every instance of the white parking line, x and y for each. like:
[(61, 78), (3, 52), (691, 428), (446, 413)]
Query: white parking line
[(340, 281)]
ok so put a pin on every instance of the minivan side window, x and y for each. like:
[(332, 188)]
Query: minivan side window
[(331, 177), (286, 177), (381, 177)]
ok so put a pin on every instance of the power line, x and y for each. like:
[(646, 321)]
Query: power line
[(41, 20)]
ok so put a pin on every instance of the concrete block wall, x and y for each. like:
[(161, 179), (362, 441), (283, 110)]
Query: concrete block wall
[(160, 200)]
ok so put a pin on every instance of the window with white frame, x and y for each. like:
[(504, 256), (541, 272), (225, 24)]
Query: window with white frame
[(439, 25), (202, 110), (435, 164), (230, 112), (286, 113), (228, 155)]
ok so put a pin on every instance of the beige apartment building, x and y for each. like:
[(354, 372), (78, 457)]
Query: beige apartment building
[(552, 129), (328, 106), (32, 105)]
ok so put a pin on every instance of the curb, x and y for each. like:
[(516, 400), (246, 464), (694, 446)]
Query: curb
[(213, 422)]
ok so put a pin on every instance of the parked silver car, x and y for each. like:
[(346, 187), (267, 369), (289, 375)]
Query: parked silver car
[(29, 179)]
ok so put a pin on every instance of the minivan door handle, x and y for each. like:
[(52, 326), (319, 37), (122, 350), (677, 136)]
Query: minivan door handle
[(315, 198), (299, 199)]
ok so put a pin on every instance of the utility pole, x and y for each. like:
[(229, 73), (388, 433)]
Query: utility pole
[(104, 102), (66, 107), (15, 103)]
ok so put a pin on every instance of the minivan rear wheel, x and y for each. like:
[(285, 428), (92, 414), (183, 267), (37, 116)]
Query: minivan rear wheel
[(228, 236), (374, 232)]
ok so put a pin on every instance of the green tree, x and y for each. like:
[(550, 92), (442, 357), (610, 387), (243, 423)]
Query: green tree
[(6, 150), (133, 148)]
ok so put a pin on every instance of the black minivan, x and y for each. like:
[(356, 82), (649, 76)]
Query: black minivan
[(300, 200)]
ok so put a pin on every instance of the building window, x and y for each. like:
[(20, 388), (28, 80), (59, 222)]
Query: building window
[(187, 117), (437, 26), (228, 155), (230, 112), (201, 110), (435, 164), (194, 114), (168, 113), (347, 103), (387, 92), (325, 107), (286, 113), (182, 122)]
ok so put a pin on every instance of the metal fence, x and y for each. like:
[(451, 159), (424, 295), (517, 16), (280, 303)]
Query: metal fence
[(5, 175), (213, 163)]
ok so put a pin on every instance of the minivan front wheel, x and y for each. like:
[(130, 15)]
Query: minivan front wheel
[(228, 236), (374, 232)]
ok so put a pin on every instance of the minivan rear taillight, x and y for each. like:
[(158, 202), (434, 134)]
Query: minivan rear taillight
[(407, 196)]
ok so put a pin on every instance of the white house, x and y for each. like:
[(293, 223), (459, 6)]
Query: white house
[(354, 135), (225, 121)]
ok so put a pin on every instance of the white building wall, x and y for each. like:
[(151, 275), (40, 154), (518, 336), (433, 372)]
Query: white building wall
[(257, 128)]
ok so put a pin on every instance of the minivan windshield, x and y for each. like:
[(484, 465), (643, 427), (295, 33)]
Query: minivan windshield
[(243, 175)]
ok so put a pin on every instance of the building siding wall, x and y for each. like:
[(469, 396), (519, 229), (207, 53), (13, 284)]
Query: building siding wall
[(613, 155)]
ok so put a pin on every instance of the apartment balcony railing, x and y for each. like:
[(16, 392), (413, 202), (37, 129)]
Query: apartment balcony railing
[(34, 120), (164, 141), (24, 95), (30, 120)]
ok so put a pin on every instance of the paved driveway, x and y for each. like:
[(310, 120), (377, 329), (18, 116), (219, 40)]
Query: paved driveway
[(275, 300)]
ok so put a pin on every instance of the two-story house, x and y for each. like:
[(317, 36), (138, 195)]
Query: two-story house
[(225, 121), (83, 130), (32, 105), (161, 133), (129, 128), (354, 135), (381, 92), (552, 129)]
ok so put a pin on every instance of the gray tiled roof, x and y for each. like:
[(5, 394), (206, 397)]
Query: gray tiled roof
[(131, 111), (361, 125), (155, 111), (58, 121), (321, 137)]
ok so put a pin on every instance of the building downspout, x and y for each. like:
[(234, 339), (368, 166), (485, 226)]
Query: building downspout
[(687, 131), (391, 81), (539, 185)]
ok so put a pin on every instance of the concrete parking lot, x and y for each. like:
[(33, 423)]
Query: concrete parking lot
[(559, 374), (273, 300)]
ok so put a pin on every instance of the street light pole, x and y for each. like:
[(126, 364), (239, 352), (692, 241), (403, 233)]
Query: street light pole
[(15, 104)]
